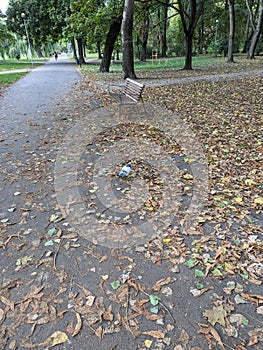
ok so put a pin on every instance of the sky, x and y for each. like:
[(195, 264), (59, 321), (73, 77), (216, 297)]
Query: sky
[(3, 5)]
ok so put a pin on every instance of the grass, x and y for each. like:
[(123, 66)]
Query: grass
[(12, 64), (172, 67), (7, 79), (173, 62)]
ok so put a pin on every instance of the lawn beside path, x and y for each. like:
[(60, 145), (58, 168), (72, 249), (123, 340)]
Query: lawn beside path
[(196, 282)]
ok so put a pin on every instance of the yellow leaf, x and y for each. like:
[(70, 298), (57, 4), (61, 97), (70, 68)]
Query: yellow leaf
[(258, 200), (167, 240), (148, 343), (188, 176), (238, 200), (249, 182), (229, 268), (58, 337)]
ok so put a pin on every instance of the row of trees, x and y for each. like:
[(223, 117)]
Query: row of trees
[(168, 26)]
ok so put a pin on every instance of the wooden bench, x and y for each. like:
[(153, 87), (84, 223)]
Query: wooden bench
[(130, 92)]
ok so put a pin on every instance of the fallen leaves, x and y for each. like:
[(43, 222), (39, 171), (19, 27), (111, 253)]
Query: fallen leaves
[(216, 315), (229, 247)]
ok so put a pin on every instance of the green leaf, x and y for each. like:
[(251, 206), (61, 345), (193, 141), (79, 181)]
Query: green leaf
[(48, 243), (199, 273), (217, 272), (244, 275), (64, 160), (190, 263), (115, 284), (24, 260), (154, 299), (52, 231), (199, 286), (245, 321), (154, 309), (53, 217)]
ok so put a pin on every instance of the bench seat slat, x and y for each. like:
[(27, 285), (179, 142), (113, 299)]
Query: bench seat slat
[(131, 92)]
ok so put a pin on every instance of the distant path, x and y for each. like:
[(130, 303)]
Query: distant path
[(38, 91)]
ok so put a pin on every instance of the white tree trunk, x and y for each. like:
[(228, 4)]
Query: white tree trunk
[(230, 56)]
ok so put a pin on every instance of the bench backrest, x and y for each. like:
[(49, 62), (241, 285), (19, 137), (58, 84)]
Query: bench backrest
[(133, 90)]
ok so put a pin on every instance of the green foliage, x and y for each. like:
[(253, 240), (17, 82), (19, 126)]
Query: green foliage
[(44, 19)]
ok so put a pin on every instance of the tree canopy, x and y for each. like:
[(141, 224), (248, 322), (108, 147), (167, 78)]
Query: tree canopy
[(166, 27)]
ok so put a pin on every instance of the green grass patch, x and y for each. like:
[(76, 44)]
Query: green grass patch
[(14, 64), (173, 68), (198, 62), (7, 79)]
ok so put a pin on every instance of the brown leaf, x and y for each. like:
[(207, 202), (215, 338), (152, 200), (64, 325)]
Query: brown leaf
[(255, 336), (155, 334), (78, 325), (34, 293), (7, 302), (85, 291), (183, 337), (103, 258), (2, 315), (162, 282), (216, 315), (151, 316), (255, 298), (108, 315), (12, 345), (99, 332), (90, 300), (217, 337)]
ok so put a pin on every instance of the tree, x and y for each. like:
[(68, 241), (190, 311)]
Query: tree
[(190, 12), (6, 38), (45, 20), (127, 42), (112, 35), (257, 33), (164, 32), (230, 56)]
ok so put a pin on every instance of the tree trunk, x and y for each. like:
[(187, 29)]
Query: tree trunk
[(80, 51), (39, 52), (73, 46), (145, 35), (112, 35), (257, 32), (190, 12), (188, 53), (127, 42), (230, 56), (99, 50), (164, 33)]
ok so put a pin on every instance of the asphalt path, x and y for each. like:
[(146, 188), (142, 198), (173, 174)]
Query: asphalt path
[(29, 142), (38, 91)]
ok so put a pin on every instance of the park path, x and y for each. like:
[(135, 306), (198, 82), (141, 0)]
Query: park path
[(38, 91), (29, 140)]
